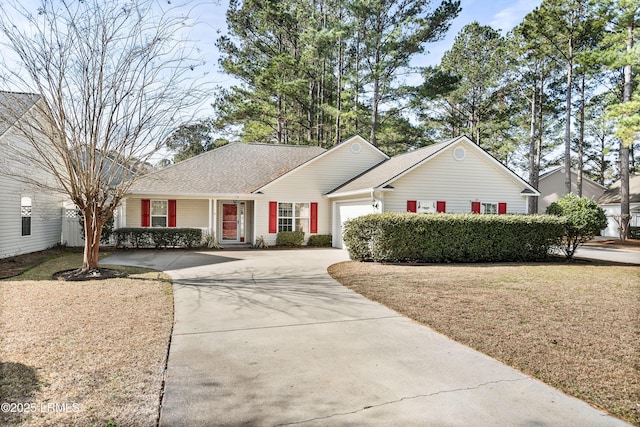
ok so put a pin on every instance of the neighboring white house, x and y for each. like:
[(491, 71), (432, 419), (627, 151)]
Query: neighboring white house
[(610, 202), (30, 218), (551, 187), (241, 192)]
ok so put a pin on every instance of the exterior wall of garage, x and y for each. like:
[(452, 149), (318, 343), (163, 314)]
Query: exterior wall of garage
[(458, 183)]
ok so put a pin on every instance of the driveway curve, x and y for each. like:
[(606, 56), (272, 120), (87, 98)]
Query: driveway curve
[(268, 338)]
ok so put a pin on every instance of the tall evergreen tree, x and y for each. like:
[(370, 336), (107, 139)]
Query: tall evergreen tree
[(312, 71), (565, 25), (393, 31), (619, 50)]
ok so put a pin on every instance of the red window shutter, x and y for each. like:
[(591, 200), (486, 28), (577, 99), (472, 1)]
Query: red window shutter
[(172, 213), (273, 217), (412, 206), (502, 208), (146, 213), (314, 218), (441, 207), (475, 207)]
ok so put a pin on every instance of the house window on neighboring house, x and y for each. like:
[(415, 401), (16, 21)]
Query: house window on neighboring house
[(293, 217), (25, 213), (159, 213)]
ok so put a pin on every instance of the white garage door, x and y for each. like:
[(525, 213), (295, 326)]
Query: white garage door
[(347, 210)]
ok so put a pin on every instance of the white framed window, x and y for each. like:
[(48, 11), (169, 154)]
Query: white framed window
[(293, 216), (26, 208), (302, 217), (159, 213), (489, 208)]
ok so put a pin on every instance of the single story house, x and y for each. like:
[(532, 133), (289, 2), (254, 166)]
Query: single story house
[(610, 202), (30, 217), (551, 187), (242, 192)]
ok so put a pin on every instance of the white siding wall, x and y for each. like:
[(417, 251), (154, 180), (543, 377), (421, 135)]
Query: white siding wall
[(612, 225), (458, 183), (310, 183), (46, 217)]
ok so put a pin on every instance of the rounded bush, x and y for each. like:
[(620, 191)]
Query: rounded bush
[(585, 220)]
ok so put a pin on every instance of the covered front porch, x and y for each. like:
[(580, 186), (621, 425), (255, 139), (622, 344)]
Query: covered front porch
[(230, 219)]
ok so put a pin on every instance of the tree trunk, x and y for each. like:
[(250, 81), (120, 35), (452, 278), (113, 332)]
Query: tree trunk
[(92, 232), (279, 121), (567, 127), (581, 137), (339, 88), (625, 214), (534, 171), (374, 112)]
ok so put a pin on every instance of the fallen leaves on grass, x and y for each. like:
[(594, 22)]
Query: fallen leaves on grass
[(575, 327), (100, 344)]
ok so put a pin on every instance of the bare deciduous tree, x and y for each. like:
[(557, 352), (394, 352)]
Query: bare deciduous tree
[(112, 80)]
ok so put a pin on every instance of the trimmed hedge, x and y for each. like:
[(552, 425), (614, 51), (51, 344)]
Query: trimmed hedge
[(446, 238), (290, 238), (320, 240), (158, 237)]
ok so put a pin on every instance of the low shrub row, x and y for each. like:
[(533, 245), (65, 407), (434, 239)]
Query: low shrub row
[(442, 238), (290, 238), (296, 238), (320, 240), (158, 237)]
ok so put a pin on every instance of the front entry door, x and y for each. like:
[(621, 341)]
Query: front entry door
[(230, 222)]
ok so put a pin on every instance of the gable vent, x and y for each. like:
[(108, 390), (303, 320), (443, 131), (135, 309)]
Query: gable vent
[(459, 153)]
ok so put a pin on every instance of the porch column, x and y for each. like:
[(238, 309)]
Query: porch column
[(210, 219), (122, 217), (214, 204)]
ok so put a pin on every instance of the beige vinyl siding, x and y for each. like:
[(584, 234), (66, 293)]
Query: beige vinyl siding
[(189, 212), (310, 182), (134, 213), (192, 213), (458, 183)]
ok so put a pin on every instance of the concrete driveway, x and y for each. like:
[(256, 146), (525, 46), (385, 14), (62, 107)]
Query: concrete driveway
[(267, 338), (608, 254)]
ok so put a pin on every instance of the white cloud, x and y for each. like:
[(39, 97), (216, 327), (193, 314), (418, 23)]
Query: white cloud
[(511, 16)]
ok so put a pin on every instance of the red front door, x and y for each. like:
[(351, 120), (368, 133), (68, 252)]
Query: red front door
[(229, 221)]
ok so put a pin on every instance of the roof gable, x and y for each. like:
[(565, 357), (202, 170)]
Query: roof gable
[(236, 168), (385, 174), (548, 174), (355, 141), (612, 195)]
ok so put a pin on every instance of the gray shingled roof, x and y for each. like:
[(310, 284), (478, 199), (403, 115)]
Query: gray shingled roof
[(236, 168), (14, 105), (612, 195), (388, 170)]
